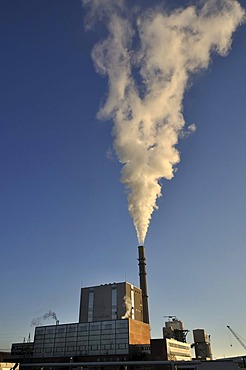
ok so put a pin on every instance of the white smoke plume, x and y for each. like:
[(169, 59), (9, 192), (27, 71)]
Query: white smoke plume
[(148, 57), (128, 305), (39, 320)]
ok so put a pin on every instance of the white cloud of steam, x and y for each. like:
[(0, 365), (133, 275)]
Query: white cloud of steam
[(38, 321), (128, 304), (192, 127), (110, 154), (148, 58)]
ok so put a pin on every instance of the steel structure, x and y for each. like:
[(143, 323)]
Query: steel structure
[(237, 337)]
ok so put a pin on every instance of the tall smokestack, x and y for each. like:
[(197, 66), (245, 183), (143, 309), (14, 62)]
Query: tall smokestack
[(143, 282)]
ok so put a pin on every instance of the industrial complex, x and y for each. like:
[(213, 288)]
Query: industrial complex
[(114, 327)]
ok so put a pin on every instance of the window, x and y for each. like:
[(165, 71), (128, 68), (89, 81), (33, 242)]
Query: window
[(59, 349), (90, 305), (114, 302)]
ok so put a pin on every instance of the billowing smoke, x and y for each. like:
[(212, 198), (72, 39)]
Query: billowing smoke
[(149, 57), (48, 315), (128, 305)]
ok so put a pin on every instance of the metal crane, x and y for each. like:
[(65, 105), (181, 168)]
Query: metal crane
[(237, 337)]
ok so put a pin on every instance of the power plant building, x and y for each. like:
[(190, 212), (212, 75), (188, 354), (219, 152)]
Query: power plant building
[(174, 329), (202, 344), (110, 323), (113, 325), (165, 349), (113, 320), (111, 302), (101, 338), (173, 346)]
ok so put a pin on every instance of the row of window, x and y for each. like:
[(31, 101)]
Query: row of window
[(54, 344), (60, 329), (178, 353), (48, 338), (114, 303), (92, 347), (175, 345)]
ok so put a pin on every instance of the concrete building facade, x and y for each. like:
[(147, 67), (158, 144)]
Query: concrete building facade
[(165, 349), (174, 328), (111, 302), (202, 344)]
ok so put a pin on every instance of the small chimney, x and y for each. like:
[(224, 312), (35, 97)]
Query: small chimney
[(143, 282)]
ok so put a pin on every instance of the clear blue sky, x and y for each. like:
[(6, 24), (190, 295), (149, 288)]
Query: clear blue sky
[(64, 218)]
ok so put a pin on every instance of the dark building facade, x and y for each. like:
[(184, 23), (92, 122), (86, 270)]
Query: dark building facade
[(113, 324), (110, 328), (111, 302), (99, 338)]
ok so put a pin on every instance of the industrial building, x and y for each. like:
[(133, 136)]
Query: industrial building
[(113, 325), (110, 322), (101, 338), (111, 302), (202, 345), (174, 329), (173, 345)]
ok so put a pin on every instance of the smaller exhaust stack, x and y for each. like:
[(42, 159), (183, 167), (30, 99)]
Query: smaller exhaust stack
[(143, 282)]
